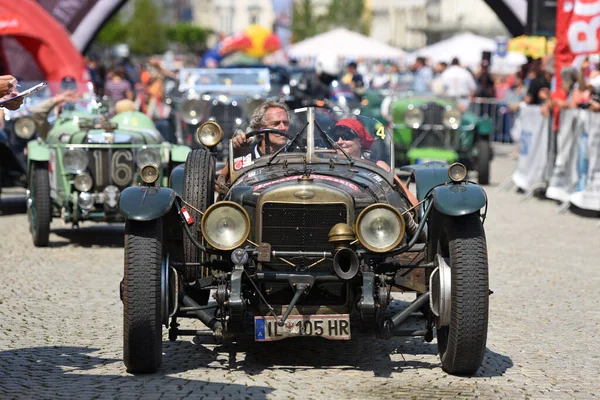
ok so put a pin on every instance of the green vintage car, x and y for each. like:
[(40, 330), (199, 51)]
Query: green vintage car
[(78, 173), (430, 128)]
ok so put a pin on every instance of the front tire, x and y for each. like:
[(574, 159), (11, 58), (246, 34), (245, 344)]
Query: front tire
[(484, 157), (462, 342), (39, 210), (142, 328)]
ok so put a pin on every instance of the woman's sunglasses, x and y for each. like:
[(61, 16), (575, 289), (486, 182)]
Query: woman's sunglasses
[(343, 133)]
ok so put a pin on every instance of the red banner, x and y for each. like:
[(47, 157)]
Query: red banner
[(577, 32)]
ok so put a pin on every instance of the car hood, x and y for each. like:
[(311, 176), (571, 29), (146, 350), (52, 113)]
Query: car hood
[(364, 186)]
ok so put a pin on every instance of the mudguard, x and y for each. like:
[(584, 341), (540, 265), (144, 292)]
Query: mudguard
[(37, 151), (484, 127), (427, 176), (458, 199), (179, 153), (176, 179), (145, 203)]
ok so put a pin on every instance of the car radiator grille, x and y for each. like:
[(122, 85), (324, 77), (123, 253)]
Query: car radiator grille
[(433, 114), (225, 115), (111, 167), (301, 227), (434, 133)]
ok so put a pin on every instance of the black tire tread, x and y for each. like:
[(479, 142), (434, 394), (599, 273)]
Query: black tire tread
[(198, 190), (467, 334), (484, 158), (142, 328), (43, 206)]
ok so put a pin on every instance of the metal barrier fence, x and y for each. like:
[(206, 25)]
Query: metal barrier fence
[(503, 118)]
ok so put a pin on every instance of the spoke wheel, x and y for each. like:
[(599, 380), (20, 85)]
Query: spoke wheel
[(143, 289)]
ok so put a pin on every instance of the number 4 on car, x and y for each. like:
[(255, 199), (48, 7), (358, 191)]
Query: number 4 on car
[(78, 173)]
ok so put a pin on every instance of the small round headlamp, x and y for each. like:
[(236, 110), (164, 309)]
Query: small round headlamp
[(210, 134), (149, 173), (25, 128), (83, 182), (457, 172)]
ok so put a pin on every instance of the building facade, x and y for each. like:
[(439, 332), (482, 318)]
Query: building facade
[(412, 24), (408, 24)]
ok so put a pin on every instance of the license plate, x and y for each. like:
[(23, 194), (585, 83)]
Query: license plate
[(335, 327)]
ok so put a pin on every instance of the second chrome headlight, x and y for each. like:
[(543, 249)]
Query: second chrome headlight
[(380, 228), (225, 225), (145, 157), (414, 117), (452, 118), (75, 161)]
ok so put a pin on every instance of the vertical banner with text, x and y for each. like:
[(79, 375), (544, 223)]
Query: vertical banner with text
[(577, 25)]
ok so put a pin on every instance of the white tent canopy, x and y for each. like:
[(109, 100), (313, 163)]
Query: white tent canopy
[(468, 47), (345, 44)]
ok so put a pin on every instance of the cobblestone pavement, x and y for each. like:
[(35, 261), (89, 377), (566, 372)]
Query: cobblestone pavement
[(61, 323)]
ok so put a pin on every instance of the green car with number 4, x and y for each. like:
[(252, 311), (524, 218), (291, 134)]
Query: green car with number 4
[(78, 173), (429, 128)]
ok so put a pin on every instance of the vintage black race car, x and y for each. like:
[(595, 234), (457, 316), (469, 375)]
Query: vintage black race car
[(297, 241)]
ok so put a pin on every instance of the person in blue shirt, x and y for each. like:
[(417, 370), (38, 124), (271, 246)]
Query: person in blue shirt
[(423, 76)]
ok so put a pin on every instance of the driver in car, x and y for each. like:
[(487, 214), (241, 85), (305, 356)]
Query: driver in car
[(269, 115)]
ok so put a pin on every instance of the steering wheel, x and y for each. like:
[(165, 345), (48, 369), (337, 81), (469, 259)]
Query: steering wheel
[(268, 130)]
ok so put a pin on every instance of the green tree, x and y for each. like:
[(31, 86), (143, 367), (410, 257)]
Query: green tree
[(350, 14), (191, 36), (113, 32), (305, 24), (146, 34)]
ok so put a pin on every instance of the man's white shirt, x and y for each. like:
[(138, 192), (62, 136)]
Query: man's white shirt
[(458, 82)]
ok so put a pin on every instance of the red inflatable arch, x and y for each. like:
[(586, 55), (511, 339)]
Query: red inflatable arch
[(46, 40)]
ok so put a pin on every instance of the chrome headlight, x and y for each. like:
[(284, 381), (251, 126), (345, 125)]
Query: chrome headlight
[(75, 161), (25, 128), (145, 157), (452, 118), (225, 225), (380, 228), (209, 134), (413, 117), (83, 182), (191, 111)]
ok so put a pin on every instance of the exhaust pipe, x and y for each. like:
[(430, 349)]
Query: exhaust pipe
[(345, 263)]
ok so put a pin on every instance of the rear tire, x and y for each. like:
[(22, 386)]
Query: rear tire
[(483, 161), (142, 328), (199, 191), (39, 213), (462, 344)]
